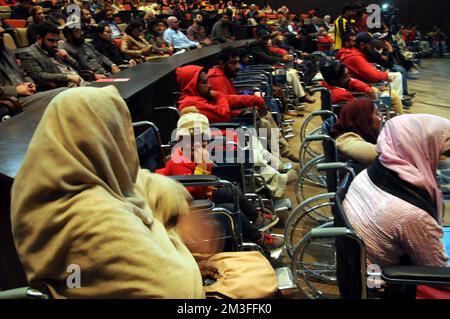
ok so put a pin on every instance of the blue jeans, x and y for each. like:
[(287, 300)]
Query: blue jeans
[(399, 68)]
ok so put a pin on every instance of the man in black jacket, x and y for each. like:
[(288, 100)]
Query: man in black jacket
[(16, 85), (104, 44)]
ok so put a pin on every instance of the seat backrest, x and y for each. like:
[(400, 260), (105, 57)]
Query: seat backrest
[(16, 23), (330, 153), (166, 119), (326, 102), (148, 144), (9, 41), (21, 37), (4, 15)]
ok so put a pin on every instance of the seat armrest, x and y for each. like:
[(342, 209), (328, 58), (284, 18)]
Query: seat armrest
[(417, 275)]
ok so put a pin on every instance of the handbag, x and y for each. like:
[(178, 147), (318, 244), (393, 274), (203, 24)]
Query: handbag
[(242, 275)]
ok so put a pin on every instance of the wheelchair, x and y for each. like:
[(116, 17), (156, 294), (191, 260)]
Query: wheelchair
[(330, 262), (151, 157)]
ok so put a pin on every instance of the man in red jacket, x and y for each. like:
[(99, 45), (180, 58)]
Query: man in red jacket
[(356, 62), (338, 80), (216, 106), (219, 78)]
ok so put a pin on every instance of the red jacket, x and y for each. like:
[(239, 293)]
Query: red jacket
[(216, 110), (339, 94), (220, 82), (359, 67), (278, 50), (325, 42), (181, 165)]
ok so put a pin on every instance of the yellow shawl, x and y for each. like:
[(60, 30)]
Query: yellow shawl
[(81, 199)]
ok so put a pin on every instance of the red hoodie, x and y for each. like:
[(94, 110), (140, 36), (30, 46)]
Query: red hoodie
[(359, 67), (216, 110), (325, 42), (221, 108), (181, 165), (339, 94), (219, 81)]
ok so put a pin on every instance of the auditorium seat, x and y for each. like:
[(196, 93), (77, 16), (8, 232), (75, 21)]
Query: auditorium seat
[(9, 41), (16, 23), (20, 35)]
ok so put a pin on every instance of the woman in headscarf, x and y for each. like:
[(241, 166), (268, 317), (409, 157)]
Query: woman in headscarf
[(81, 199), (396, 205), (356, 131)]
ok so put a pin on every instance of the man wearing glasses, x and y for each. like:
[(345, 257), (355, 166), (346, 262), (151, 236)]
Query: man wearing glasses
[(174, 37)]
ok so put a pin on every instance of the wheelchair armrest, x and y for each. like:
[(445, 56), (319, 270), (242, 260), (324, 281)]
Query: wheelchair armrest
[(22, 293), (196, 180), (417, 275), (319, 137), (223, 126), (337, 166), (318, 89), (330, 232)]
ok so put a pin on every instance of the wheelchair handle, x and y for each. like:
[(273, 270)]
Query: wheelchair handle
[(319, 137), (336, 166)]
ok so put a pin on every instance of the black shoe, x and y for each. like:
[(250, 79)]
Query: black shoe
[(407, 104)]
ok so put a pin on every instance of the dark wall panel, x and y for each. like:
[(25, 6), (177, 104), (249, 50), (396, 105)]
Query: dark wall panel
[(423, 13)]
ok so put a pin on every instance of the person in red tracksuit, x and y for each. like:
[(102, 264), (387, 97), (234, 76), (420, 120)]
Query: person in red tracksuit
[(338, 80), (216, 106), (359, 67), (219, 78)]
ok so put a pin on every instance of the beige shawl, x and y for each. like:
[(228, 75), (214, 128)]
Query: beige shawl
[(81, 199)]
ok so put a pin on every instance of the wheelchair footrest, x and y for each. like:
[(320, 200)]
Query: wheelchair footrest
[(282, 204), (285, 280)]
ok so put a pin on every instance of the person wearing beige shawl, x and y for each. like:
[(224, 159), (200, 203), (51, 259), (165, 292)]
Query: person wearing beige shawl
[(80, 198)]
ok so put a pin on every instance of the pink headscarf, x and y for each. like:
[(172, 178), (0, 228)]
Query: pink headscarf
[(411, 145)]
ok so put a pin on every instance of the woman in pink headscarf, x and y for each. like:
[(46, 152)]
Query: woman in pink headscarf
[(396, 205)]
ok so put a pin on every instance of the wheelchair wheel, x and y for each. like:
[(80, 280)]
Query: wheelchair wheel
[(312, 123), (310, 214), (310, 149), (310, 181), (314, 267)]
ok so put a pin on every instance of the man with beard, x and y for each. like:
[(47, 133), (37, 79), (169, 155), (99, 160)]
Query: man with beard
[(221, 30), (45, 62), (16, 86), (196, 32), (85, 53), (219, 79), (88, 24)]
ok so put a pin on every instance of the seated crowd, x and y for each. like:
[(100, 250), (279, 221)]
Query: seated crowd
[(148, 212)]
